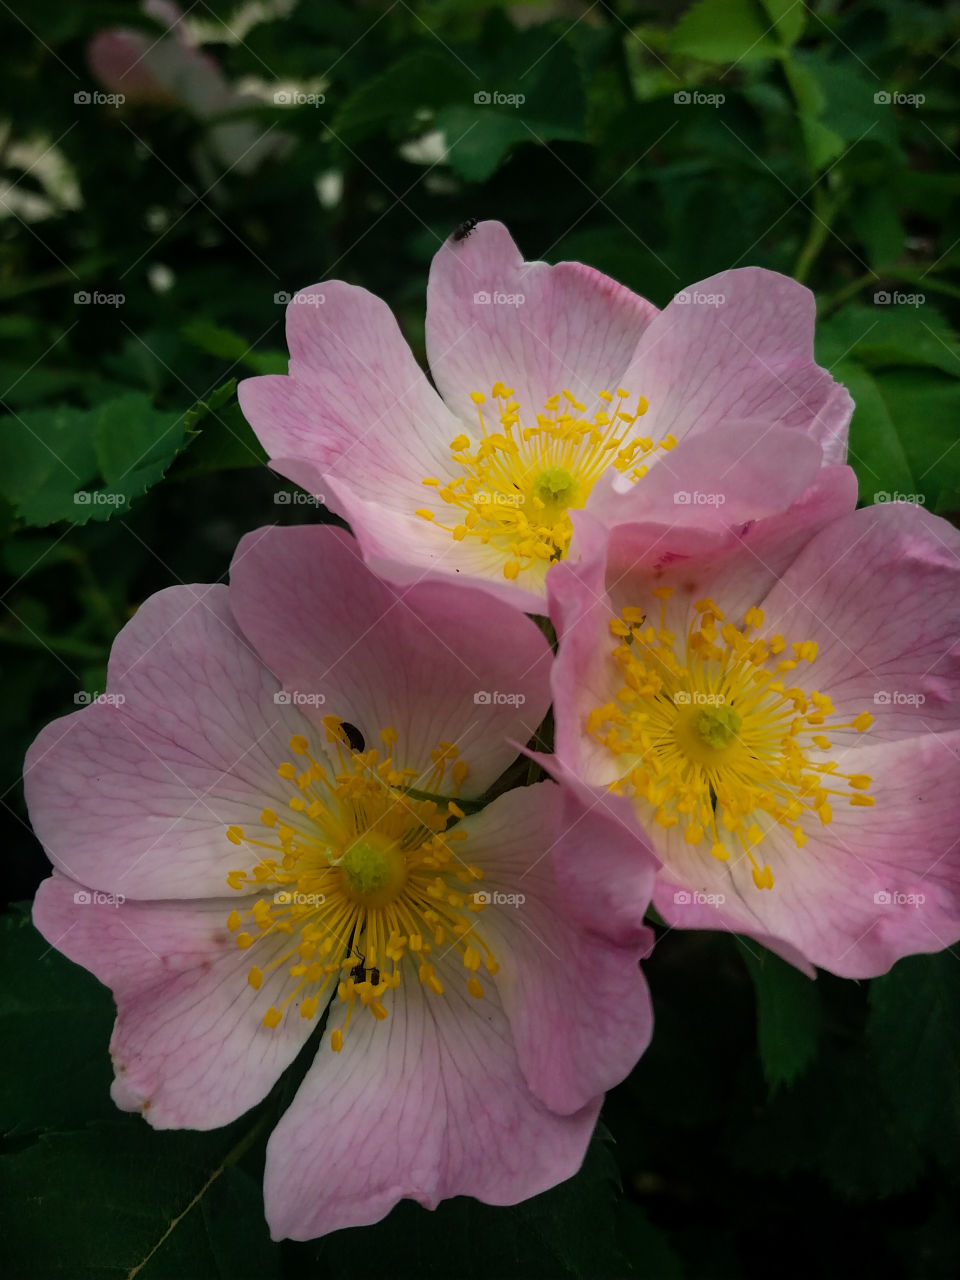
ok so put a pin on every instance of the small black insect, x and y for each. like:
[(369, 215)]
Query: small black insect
[(357, 972), (465, 228)]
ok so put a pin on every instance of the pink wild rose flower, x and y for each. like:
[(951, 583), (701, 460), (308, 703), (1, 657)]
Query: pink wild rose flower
[(779, 723), (557, 389), (243, 837)]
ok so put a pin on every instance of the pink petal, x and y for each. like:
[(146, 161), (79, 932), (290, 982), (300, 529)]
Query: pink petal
[(136, 797), (735, 568), (404, 549), (576, 329), (726, 478), (880, 593), (747, 358), (426, 1105), (436, 664), (872, 886), (189, 1047), (570, 1044), (356, 403)]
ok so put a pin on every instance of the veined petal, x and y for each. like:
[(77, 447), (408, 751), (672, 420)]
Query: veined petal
[(427, 1104)]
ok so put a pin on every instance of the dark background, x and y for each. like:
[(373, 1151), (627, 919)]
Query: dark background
[(775, 1124)]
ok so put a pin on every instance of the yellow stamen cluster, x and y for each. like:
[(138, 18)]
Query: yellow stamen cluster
[(713, 737), (519, 482), (361, 878)]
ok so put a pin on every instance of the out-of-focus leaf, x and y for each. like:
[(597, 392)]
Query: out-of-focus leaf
[(726, 31), (425, 79), (894, 331), (876, 448), (788, 1015), (570, 1231), (926, 410), (42, 990), (914, 1031), (109, 1223), (480, 132), (789, 18)]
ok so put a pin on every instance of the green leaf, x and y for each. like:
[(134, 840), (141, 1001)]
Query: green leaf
[(227, 345), (788, 1015), (544, 72), (926, 410), (222, 437), (46, 457), (821, 143), (203, 408), (914, 1031), (85, 464), (167, 1220), (789, 17), (726, 31), (876, 449), (46, 1001), (425, 79), (890, 333), (570, 1231), (836, 107), (135, 443)]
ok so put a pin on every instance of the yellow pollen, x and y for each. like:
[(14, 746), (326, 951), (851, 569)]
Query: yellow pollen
[(513, 485), (361, 887), (713, 739)]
